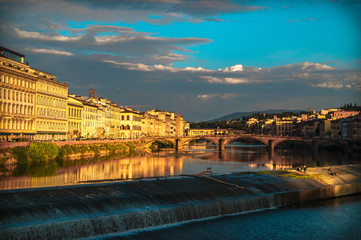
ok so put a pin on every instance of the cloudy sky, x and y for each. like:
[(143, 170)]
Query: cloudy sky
[(200, 58)]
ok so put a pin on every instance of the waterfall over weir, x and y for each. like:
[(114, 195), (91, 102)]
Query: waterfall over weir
[(95, 210), (100, 224)]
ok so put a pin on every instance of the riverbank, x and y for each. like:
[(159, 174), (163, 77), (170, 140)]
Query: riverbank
[(98, 209), (34, 152)]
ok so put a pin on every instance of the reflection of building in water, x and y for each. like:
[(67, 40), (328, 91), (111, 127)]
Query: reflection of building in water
[(110, 170), (271, 165)]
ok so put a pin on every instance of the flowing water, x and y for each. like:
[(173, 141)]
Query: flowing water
[(237, 157), (330, 219)]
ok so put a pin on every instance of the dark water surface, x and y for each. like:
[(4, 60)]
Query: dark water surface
[(195, 159), (330, 219)]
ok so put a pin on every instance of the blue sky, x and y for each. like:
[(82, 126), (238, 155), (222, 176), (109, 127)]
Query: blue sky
[(201, 58)]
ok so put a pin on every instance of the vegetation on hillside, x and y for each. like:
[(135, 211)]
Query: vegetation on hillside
[(350, 107), (239, 124)]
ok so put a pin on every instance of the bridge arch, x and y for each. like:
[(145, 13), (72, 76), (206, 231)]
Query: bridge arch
[(149, 142), (188, 140), (230, 140)]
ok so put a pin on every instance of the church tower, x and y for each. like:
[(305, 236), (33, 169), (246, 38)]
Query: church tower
[(92, 92)]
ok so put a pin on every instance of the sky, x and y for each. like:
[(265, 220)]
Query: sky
[(201, 58)]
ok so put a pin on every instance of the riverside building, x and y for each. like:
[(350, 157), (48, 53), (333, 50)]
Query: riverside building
[(32, 102), (51, 107), (130, 123), (75, 112), (89, 120)]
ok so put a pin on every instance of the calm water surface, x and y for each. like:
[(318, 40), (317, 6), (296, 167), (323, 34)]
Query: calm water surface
[(195, 159)]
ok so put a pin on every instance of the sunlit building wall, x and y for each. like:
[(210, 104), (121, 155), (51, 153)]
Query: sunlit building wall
[(152, 126), (115, 111), (89, 120), (17, 97), (200, 132), (75, 113), (51, 105), (34, 102), (180, 125), (130, 123)]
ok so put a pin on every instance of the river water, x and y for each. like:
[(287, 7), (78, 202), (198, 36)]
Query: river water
[(237, 157), (324, 220), (331, 219)]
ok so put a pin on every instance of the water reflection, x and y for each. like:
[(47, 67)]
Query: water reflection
[(35, 176), (195, 159)]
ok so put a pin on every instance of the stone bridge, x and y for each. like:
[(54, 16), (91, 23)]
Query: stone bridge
[(270, 141)]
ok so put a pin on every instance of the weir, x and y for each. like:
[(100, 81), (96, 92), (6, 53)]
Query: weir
[(94, 210)]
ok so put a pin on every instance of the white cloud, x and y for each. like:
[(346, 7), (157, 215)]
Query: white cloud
[(193, 69), (307, 66), (205, 97), (332, 85), (40, 36), (155, 67), (313, 74), (132, 66), (50, 51), (235, 68), (225, 80), (170, 57)]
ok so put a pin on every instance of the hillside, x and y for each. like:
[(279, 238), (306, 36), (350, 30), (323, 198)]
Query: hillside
[(241, 114)]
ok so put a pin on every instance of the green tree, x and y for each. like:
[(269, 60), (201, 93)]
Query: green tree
[(21, 155), (42, 152)]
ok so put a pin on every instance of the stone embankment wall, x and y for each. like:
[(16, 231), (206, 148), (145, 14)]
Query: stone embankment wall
[(93, 210)]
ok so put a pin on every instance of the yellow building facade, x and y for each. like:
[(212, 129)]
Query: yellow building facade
[(130, 124), (115, 115), (152, 126), (17, 97), (51, 107), (75, 112), (89, 120)]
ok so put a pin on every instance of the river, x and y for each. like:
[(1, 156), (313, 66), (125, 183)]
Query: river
[(331, 219), (237, 157), (324, 220)]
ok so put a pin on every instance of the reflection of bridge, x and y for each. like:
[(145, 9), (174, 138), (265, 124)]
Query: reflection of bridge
[(221, 141)]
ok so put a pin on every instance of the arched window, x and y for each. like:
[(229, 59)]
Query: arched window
[(128, 117), (128, 127)]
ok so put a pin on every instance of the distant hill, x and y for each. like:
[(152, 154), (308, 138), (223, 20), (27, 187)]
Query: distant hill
[(241, 114)]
